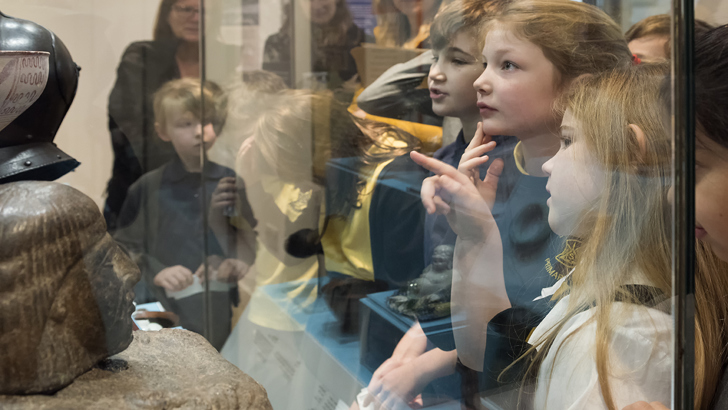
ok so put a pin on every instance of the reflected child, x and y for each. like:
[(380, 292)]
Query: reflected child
[(162, 216)]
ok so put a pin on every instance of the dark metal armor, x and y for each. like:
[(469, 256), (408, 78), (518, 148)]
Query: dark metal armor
[(27, 151)]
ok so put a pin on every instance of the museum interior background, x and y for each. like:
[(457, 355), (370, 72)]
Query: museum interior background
[(281, 346)]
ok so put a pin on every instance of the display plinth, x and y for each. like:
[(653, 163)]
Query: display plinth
[(382, 329), (160, 370)]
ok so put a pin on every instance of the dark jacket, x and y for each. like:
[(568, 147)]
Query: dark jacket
[(145, 66), (163, 226)]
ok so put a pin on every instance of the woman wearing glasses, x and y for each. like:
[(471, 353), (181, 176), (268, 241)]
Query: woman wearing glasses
[(145, 66)]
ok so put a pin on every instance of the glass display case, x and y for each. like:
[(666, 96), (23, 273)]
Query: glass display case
[(390, 204)]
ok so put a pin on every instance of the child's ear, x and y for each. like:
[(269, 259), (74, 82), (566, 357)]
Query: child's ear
[(161, 132), (641, 139)]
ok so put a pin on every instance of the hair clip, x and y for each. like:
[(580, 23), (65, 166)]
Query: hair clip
[(636, 60)]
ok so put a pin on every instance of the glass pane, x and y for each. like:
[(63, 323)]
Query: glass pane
[(304, 183), (546, 284)]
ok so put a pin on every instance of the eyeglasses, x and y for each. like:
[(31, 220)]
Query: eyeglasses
[(186, 11)]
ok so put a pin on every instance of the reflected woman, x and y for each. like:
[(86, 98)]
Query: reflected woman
[(144, 67)]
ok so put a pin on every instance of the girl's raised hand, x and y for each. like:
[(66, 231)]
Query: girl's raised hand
[(473, 157), (453, 194)]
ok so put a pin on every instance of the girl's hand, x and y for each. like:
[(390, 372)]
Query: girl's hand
[(412, 345), (473, 157), (641, 405), (453, 194), (397, 389)]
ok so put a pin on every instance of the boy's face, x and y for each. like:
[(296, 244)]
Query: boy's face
[(649, 48), (451, 78), (186, 134)]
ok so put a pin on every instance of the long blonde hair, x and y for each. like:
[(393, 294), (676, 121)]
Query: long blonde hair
[(629, 230)]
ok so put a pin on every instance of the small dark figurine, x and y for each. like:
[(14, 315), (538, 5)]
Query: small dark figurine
[(65, 288), (427, 297)]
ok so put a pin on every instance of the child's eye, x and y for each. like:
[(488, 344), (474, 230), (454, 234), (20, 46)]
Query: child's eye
[(458, 61), (435, 57), (565, 142), (507, 65)]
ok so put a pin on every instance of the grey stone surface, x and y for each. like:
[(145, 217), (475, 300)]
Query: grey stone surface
[(169, 369)]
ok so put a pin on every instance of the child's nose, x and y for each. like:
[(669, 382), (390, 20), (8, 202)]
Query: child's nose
[(547, 167), (482, 84), (435, 73)]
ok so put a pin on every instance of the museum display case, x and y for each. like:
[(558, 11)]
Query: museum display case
[(372, 204)]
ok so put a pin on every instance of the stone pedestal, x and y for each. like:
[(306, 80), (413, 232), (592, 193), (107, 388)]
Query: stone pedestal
[(169, 369)]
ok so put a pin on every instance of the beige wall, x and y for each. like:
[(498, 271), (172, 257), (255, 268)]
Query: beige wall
[(96, 33), (713, 11)]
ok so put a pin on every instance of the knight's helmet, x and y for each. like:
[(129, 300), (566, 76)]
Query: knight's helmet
[(38, 80)]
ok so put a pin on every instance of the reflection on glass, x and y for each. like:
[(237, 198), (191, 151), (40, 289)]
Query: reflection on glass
[(144, 68), (357, 254), (556, 216), (162, 215)]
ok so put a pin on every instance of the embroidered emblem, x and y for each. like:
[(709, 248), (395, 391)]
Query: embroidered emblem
[(565, 261), (568, 256)]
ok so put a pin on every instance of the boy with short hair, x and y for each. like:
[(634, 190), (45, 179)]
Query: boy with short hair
[(162, 217), (649, 38), (457, 45)]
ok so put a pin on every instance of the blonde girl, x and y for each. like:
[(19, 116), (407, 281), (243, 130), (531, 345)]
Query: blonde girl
[(607, 341), (533, 51)]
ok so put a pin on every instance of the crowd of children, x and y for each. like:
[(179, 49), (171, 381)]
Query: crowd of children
[(556, 196)]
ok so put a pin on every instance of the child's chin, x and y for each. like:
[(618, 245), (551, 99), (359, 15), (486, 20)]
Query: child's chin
[(557, 225)]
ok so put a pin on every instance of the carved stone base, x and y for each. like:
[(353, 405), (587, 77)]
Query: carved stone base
[(169, 369)]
